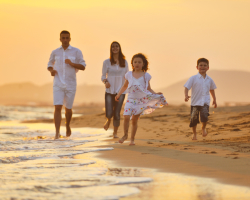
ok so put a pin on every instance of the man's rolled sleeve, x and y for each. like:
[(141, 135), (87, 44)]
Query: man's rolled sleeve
[(79, 58), (51, 60)]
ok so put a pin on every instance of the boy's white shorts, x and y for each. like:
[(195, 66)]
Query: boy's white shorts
[(63, 97)]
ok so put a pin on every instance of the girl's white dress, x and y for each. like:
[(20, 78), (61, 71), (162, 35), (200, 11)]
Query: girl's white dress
[(140, 100)]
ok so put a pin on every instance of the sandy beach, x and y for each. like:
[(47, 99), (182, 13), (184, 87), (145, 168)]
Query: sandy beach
[(164, 164), (163, 142)]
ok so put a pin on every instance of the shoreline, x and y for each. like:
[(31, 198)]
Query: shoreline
[(163, 143)]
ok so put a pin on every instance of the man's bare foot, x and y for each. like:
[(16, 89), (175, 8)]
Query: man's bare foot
[(123, 139), (106, 125), (204, 132), (132, 143), (194, 137), (68, 131), (57, 136)]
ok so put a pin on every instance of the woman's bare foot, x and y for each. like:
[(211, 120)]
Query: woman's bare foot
[(123, 139), (194, 137), (68, 131), (204, 132), (106, 125), (132, 143)]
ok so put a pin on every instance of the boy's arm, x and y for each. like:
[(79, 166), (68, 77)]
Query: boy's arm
[(186, 94), (212, 92)]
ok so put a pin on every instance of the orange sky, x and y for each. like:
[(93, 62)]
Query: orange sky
[(172, 33)]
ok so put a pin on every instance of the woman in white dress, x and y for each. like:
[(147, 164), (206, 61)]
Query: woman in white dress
[(113, 76)]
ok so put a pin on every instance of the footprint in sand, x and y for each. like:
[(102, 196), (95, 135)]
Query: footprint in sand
[(145, 153), (150, 142), (235, 129)]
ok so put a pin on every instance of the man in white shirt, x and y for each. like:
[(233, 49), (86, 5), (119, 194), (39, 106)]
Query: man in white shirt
[(201, 85), (64, 63)]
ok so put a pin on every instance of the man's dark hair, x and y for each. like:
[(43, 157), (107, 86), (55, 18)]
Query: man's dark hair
[(202, 60), (64, 32)]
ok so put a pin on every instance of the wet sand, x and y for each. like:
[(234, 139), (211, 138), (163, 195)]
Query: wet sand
[(163, 142)]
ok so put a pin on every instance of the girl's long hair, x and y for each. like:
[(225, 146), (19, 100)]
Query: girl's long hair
[(121, 57), (144, 59)]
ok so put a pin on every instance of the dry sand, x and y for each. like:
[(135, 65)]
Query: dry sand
[(163, 142)]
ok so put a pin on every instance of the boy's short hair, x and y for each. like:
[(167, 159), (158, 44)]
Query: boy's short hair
[(64, 32), (202, 60)]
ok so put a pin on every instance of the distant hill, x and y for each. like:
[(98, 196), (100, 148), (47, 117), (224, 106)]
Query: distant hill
[(232, 88)]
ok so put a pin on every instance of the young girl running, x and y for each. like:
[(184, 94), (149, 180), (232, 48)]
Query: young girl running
[(141, 98)]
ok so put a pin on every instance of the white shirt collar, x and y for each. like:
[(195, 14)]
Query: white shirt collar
[(199, 75), (69, 47)]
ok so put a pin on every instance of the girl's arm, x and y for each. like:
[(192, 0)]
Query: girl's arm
[(123, 88), (214, 98), (150, 89)]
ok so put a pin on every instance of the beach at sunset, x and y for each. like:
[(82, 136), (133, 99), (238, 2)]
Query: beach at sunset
[(128, 99), (165, 163)]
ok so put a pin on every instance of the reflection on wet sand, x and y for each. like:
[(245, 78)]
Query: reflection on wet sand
[(34, 166)]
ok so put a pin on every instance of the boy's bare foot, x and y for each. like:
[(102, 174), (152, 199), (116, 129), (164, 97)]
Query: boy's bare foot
[(123, 139), (106, 125), (68, 131), (204, 132), (132, 143), (194, 137)]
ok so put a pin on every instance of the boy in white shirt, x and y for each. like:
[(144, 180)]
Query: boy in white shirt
[(201, 85)]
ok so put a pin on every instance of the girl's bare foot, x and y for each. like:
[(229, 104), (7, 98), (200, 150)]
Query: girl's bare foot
[(194, 137), (123, 139), (204, 132), (132, 143), (106, 125)]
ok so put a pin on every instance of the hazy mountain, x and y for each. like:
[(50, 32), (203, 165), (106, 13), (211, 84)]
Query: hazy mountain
[(232, 88)]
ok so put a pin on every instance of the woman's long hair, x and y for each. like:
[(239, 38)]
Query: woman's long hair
[(121, 57)]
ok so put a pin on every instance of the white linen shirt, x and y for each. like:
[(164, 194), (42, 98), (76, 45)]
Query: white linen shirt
[(115, 76), (66, 75), (200, 89)]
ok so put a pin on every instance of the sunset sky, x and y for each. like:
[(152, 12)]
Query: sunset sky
[(172, 33)]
